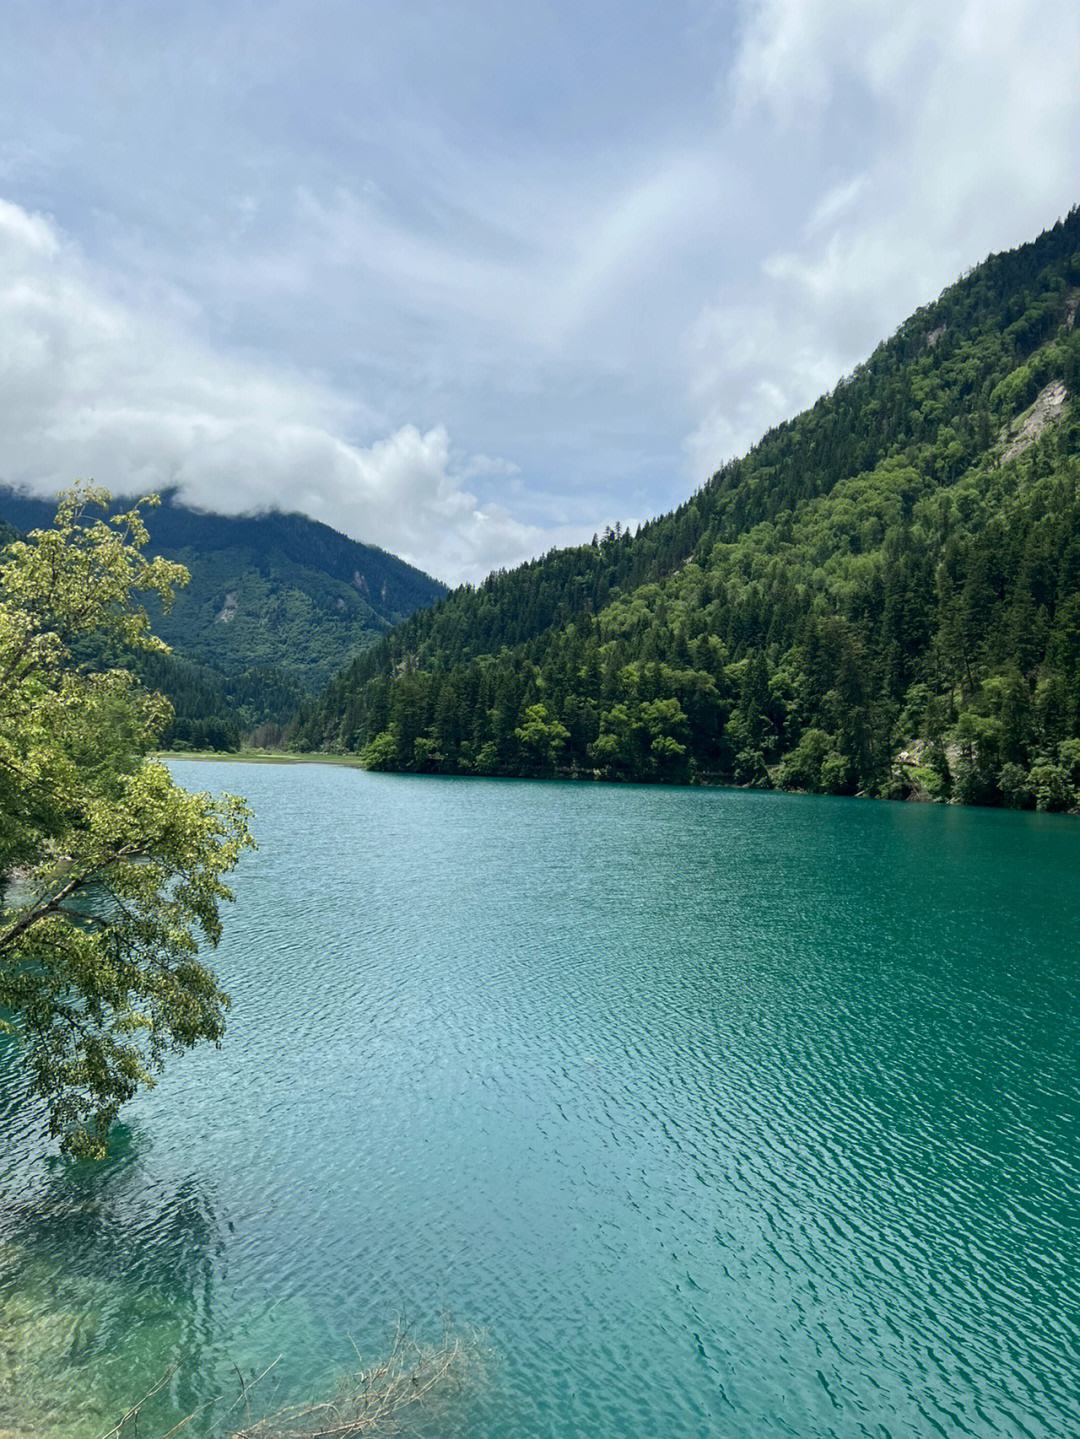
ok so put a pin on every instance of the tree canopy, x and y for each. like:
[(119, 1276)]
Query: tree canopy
[(111, 875), (275, 605), (882, 597)]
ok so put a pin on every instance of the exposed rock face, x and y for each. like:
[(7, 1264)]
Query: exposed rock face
[(228, 609), (935, 335), (1047, 408)]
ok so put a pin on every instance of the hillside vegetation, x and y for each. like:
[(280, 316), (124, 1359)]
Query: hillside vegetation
[(882, 597), (275, 605)]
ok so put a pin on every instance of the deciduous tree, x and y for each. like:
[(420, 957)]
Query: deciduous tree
[(113, 875)]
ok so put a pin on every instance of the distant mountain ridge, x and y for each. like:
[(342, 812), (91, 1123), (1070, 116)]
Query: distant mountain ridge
[(882, 597), (277, 603)]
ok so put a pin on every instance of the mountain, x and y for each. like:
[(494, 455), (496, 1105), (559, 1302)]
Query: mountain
[(882, 597), (276, 604)]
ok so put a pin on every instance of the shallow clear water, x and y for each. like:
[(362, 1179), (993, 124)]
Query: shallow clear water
[(721, 1113)]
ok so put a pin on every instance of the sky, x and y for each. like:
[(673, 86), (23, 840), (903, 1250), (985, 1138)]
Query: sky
[(471, 280)]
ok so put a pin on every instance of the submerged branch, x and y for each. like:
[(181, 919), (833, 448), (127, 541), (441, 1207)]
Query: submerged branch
[(377, 1399)]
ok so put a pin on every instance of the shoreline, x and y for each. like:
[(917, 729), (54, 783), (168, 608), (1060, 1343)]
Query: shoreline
[(258, 757), (352, 761)]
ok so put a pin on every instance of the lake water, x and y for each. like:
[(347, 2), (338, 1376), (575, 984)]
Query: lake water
[(718, 1113)]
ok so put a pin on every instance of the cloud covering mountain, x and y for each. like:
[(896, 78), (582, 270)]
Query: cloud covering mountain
[(469, 284)]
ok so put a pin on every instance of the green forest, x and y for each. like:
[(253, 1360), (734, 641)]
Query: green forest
[(276, 604), (881, 598)]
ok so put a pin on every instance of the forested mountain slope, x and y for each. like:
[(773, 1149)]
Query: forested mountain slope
[(276, 604), (882, 597)]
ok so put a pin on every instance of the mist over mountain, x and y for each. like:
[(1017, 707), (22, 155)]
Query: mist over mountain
[(276, 604)]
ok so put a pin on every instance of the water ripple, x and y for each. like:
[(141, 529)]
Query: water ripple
[(723, 1114)]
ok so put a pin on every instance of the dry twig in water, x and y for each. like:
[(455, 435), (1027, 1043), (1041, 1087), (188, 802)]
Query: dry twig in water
[(378, 1399)]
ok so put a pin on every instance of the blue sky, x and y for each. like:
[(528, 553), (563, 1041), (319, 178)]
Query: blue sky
[(469, 280)]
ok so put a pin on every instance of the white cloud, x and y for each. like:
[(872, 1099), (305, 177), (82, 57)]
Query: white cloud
[(555, 239), (959, 125), (92, 386)]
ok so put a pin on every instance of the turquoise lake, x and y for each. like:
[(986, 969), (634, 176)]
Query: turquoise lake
[(714, 1113)]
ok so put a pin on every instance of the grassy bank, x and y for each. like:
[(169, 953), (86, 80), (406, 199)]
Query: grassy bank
[(261, 756)]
